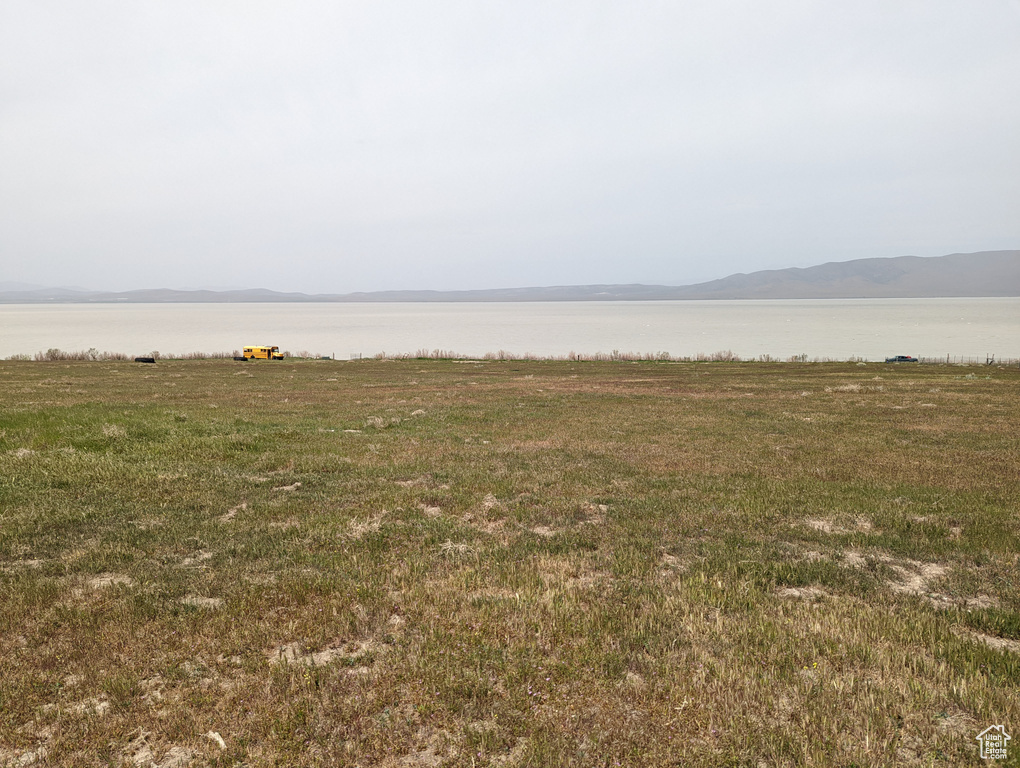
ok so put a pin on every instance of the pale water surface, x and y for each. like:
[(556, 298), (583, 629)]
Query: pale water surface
[(833, 328)]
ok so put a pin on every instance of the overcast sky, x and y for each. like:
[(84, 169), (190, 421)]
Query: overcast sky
[(341, 146)]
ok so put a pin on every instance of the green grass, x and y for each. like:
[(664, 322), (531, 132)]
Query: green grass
[(508, 563)]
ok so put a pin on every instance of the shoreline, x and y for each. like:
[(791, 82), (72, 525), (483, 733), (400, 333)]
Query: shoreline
[(723, 356)]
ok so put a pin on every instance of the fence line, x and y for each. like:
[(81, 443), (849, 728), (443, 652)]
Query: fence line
[(957, 360)]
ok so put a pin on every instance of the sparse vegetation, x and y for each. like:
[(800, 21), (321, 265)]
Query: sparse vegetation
[(57, 355), (434, 562)]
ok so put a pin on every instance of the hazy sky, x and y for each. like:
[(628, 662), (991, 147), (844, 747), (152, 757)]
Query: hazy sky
[(340, 146)]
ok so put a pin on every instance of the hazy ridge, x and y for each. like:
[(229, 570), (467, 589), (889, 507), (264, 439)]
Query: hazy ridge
[(981, 274)]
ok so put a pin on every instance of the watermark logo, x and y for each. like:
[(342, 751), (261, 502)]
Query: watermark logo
[(993, 742)]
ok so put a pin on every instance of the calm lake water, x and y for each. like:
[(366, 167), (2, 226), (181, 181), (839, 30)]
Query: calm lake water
[(833, 328)]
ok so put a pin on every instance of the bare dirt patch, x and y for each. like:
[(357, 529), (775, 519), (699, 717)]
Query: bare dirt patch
[(670, 561), (859, 525), (915, 577), (996, 643), (981, 601), (825, 526), (139, 752), (436, 749), (956, 721), (199, 557), (853, 559), (634, 680), (515, 757), (93, 706), (232, 512), (11, 759), (853, 387), (487, 521), (17, 565), (491, 527), (208, 603), (810, 594), (216, 739), (493, 594), (106, 580), (152, 689), (295, 653)]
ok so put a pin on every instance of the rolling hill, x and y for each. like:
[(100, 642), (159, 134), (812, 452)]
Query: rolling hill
[(986, 273)]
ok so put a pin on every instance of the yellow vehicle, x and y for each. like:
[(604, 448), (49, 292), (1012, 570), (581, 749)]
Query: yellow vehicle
[(262, 353)]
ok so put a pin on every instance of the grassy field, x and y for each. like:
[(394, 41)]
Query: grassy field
[(516, 563)]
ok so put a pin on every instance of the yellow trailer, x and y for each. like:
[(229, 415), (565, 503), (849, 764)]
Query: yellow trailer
[(262, 353)]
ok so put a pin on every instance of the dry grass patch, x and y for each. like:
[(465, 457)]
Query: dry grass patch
[(453, 549), (608, 563), (345, 652), (231, 513), (197, 558), (430, 511), (16, 565), (857, 525), (140, 752), (360, 527), (560, 575), (853, 559), (803, 593), (106, 580), (916, 578), (996, 643), (207, 603)]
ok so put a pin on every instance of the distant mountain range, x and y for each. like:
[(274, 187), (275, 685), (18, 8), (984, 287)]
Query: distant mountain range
[(987, 273)]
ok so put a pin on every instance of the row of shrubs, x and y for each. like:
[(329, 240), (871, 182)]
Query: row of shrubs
[(59, 355), (724, 356), (93, 354)]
